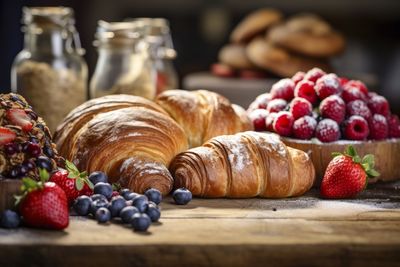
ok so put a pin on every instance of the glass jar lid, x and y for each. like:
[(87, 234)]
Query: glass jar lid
[(118, 33), (48, 16)]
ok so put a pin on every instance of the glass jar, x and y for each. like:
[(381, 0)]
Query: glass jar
[(162, 53), (124, 65), (50, 71)]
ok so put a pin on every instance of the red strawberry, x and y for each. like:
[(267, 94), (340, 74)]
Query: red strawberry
[(378, 127), (314, 74), (328, 85), (304, 127), (19, 118), (358, 107), (300, 107), (258, 118), (356, 128), (72, 181), (43, 204), (347, 174), (276, 105), (394, 126), (299, 76), (6, 136), (333, 107), (283, 123), (283, 89), (327, 131), (379, 104), (305, 89)]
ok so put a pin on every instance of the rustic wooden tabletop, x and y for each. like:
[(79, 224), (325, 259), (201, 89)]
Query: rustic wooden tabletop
[(304, 231)]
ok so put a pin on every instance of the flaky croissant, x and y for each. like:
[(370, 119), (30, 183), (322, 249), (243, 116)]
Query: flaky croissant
[(244, 165), (130, 138), (203, 114)]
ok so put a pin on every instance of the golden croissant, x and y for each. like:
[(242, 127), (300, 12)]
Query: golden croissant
[(130, 138), (244, 165)]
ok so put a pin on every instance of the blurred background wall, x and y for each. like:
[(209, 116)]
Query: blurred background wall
[(201, 27)]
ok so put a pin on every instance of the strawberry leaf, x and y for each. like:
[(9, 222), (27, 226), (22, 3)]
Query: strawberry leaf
[(369, 160), (357, 159), (351, 151), (28, 184), (79, 184), (116, 186), (89, 183), (71, 168), (372, 173), (44, 175), (72, 175)]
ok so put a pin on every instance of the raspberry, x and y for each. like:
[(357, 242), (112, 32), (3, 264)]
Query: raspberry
[(358, 107), (359, 85), (343, 80), (258, 118), (356, 128), (314, 74), (378, 104), (263, 100), (276, 105), (351, 93), (269, 121), (305, 89), (333, 107), (304, 127), (300, 107), (327, 130), (378, 127), (327, 85), (283, 123), (298, 77), (283, 89), (394, 126)]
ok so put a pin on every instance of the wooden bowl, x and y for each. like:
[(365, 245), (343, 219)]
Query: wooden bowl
[(387, 154), (8, 188)]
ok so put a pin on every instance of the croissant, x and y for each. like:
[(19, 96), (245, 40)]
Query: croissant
[(203, 114), (130, 138), (244, 165)]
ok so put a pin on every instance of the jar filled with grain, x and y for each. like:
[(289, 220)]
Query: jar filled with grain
[(50, 71), (124, 65)]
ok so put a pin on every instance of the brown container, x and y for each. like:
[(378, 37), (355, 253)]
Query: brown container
[(8, 188), (387, 154)]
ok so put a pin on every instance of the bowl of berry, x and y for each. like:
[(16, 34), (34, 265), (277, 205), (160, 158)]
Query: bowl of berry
[(322, 113), (25, 146)]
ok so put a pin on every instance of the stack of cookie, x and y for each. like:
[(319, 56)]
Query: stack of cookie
[(263, 42)]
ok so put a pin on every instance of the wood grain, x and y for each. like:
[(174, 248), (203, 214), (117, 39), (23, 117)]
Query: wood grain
[(386, 153), (8, 188), (305, 231)]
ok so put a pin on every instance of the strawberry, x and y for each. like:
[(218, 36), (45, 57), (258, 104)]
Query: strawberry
[(43, 204), (19, 118), (6, 136), (73, 182), (347, 174)]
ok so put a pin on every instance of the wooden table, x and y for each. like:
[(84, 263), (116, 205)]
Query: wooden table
[(305, 231)]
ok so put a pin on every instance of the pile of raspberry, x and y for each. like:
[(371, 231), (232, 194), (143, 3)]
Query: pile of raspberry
[(324, 106)]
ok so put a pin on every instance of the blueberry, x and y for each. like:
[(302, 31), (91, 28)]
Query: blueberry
[(34, 140), (140, 202), (182, 196), (22, 170), (44, 163), (154, 195), (103, 215), (97, 204), (98, 196), (29, 164), (124, 192), (131, 196), (140, 222), (116, 205), (9, 219), (127, 213), (14, 172), (33, 115), (82, 205), (104, 189), (97, 177), (153, 211), (48, 151)]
